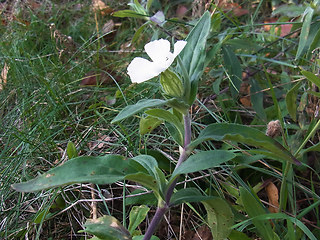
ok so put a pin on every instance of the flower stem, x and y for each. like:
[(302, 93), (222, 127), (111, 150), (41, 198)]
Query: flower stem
[(155, 222), (288, 166), (161, 210)]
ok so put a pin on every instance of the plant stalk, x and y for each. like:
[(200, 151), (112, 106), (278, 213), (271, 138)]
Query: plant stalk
[(283, 189), (161, 210)]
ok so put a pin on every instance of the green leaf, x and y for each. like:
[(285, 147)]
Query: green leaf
[(187, 195), (99, 170), (168, 117), (203, 160), (130, 110), (136, 216), (311, 77), (254, 208), (266, 217), (138, 32), (146, 181), (243, 44), (178, 105), (220, 217), (234, 69), (71, 150), (257, 99), (106, 228), (291, 101), (193, 54), (174, 133), (148, 124), (284, 63), (129, 13), (304, 31), (42, 215), (148, 162), (138, 197), (141, 238), (236, 235), (245, 135)]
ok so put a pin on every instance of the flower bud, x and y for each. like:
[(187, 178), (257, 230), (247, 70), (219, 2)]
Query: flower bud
[(171, 84)]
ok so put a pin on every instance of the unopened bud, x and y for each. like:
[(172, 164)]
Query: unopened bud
[(171, 84), (273, 129)]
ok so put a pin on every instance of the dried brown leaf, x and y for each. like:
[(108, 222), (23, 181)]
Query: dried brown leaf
[(273, 196), (3, 77)]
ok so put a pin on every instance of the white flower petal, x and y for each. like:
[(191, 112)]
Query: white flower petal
[(141, 70), (178, 47), (158, 50)]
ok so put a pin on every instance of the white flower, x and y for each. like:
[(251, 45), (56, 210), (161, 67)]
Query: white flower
[(141, 69)]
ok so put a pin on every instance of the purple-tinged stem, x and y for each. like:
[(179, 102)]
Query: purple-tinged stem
[(183, 156), (155, 222)]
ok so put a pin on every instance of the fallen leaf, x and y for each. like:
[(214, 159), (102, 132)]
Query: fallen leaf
[(283, 29), (101, 142), (244, 92), (3, 77), (203, 233), (181, 11), (108, 27), (273, 196), (234, 8)]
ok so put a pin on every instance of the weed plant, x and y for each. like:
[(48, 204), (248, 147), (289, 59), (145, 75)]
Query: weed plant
[(46, 103)]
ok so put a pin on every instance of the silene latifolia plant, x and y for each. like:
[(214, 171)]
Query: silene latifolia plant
[(179, 72)]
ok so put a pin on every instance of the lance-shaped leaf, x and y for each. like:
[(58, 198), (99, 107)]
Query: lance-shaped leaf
[(220, 217), (254, 208), (130, 110), (99, 170), (147, 124), (201, 161), (107, 228), (151, 165), (188, 195), (168, 117), (246, 135), (146, 181), (234, 70), (136, 216), (311, 77), (291, 101), (307, 18), (193, 55)]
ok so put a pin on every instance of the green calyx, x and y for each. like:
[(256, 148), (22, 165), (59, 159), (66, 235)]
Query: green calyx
[(171, 84)]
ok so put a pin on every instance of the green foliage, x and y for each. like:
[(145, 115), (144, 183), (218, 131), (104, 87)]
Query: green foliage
[(186, 195), (291, 98), (148, 124), (106, 228), (46, 113), (220, 217), (130, 110), (254, 208), (233, 66), (136, 216), (203, 160), (71, 150), (170, 118), (246, 135), (171, 84), (99, 170)]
